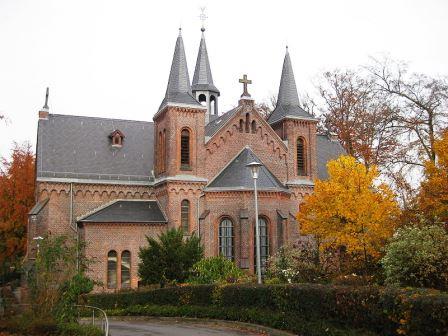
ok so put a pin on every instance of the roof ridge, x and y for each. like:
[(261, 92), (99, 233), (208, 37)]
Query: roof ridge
[(103, 206), (100, 118)]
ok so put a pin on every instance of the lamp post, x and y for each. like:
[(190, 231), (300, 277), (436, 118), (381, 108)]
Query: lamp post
[(38, 239), (255, 168)]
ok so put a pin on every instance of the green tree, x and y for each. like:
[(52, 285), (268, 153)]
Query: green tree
[(418, 257), (215, 269), (169, 258), (57, 278)]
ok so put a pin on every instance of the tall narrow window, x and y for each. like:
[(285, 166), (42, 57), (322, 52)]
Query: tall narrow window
[(247, 123), (164, 151), (253, 126), (159, 153), (125, 269), (301, 164), (185, 149), (185, 216), (226, 239), (112, 269), (241, 125), (264, 244)]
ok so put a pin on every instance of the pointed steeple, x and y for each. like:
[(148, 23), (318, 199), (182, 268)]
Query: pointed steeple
[(203, 79), (178, 90), (203, 88), (288, 105)]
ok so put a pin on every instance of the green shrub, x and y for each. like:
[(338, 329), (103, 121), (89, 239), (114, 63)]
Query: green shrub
[(418, 257), (215, 270), (195, 295), (169, 258), (385, 311), (299, 263), (270, 318)]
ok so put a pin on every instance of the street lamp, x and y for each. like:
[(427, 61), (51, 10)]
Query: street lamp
[(38, 239), (255, 168)]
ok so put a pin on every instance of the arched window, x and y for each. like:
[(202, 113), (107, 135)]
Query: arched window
[(112, 269), (253, 126), (202, 99), (185, 149), (247, 123), (226, 239), (301, 164), (125, 269), (241, 125), (185, 216), (264, 244), (213, 105)]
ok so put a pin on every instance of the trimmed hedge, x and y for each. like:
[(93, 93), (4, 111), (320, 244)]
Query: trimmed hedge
[(273, 319), (385, 311)]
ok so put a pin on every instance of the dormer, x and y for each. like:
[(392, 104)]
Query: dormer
[(117, 138)]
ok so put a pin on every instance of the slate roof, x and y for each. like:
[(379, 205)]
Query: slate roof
[(179, 89), (288, 104), (37, 208), (127, 211), (202, 78), (236, 176), (327, 149), (80, 147), (215, 125)]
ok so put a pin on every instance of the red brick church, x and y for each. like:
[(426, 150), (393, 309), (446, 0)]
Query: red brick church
[(111, 182)]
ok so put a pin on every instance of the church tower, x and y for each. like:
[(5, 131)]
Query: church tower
[(177, 136), (296, 127), (203, 88)]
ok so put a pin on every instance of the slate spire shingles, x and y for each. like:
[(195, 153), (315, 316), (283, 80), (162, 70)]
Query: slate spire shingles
[(288, 104), (203, 79), (178, 90)]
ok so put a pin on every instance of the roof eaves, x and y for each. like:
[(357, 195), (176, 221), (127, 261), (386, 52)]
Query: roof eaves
[(223, 189), (174, 104), (89, 213), (38, 207), (93, 181)]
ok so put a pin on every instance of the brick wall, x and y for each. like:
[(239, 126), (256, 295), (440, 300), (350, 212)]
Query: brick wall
[(101, 238)]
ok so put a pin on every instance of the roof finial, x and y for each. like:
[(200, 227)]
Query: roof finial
[(46, 99), (180, 31), (287, 51), (203, 17)]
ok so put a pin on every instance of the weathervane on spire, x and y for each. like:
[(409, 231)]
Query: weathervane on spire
[(203, 17)]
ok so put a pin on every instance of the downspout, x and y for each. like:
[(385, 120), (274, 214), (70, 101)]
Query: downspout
[(75, 229), (198, 214)]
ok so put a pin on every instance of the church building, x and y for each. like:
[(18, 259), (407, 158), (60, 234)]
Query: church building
[(112, 182)]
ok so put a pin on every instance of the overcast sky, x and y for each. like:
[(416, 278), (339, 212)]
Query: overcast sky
[(108, 58)]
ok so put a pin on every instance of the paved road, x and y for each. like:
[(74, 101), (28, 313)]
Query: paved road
[(173, 327)]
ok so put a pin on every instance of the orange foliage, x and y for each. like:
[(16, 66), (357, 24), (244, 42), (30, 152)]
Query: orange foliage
[(16, 199), (350, 210), (433, 198)]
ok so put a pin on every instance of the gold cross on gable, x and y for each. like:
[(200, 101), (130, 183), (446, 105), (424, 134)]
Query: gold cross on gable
[(245, 81)]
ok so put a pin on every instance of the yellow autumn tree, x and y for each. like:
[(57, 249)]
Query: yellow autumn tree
[(433, 197), (349, 210)]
